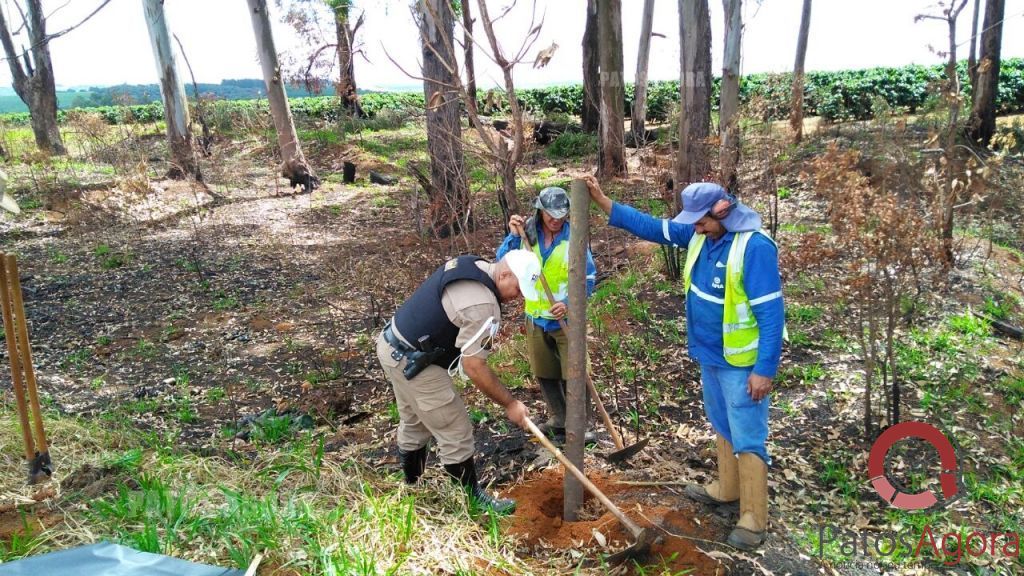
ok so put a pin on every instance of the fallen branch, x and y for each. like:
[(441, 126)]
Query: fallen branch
[(1002, 327), (650, 482)]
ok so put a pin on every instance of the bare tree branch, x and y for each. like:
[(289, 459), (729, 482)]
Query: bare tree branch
[(83, 21)]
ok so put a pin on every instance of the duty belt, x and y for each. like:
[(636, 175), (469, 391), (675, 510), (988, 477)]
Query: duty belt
[(399, 349)]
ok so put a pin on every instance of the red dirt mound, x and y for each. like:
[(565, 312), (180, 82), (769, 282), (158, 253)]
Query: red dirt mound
[(538, 521)]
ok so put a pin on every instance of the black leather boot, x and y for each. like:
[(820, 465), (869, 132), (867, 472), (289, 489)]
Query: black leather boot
[(414, 462), (465, 474)]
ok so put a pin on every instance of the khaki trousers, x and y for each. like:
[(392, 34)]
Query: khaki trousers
[(428, 405)]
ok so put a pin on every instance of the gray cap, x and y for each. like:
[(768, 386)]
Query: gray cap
[(554, 201)]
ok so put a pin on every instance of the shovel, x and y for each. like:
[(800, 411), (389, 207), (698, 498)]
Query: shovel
[(622, 452), (23, 377), (643, 537)]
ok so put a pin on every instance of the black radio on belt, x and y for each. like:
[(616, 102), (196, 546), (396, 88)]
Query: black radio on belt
[(417, 360)]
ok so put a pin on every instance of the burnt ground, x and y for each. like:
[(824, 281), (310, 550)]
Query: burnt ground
[(196, 324)]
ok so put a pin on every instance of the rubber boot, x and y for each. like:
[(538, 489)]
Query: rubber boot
[(554, 397), (725, 490), (414, 462), (465, 474), (752, 526)]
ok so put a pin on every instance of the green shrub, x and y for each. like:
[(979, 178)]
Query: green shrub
[(572, 145)]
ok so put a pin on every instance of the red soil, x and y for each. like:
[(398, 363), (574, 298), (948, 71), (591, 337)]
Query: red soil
[(538, 521)]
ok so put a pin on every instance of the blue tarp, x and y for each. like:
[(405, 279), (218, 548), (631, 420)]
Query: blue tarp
[(106, 559)]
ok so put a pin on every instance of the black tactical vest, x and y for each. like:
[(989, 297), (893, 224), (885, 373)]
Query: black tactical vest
[(423, 314)]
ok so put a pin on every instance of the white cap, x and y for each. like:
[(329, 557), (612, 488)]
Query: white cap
[(526, 267)]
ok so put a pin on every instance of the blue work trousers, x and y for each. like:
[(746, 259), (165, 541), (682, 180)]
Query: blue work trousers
[(732, 412)]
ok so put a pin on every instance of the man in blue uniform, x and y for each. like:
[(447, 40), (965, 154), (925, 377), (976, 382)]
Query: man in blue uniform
[(546, 343), (735, 321)]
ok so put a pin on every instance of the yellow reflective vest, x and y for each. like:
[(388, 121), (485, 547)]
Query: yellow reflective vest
[(556, 271), (739, 327)]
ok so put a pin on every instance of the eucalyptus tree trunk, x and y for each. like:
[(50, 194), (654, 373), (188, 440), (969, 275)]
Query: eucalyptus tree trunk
[(796, 110), (450, 206), (692, 163), (728, 120), (972, 56), (293, 163), (591, 114), (983, 109), (467, 49), (612, 157), (33, 80), (346, 89), (172, 91), (636, 124)]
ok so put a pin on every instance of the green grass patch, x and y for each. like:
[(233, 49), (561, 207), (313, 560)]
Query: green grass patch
[(321, 136), (801, 314), (109, 259), (802, 375), (836, 473), (511, 362), (572, 145), (77, 359), (969, 325), (223, 301)]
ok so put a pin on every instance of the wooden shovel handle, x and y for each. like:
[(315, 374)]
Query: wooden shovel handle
[(14, 356), (629, 524), (26, 351), (616, 437)]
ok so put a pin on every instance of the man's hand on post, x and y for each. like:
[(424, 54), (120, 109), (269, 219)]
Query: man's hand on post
[(597, 195), (758, 386), (558, 310)]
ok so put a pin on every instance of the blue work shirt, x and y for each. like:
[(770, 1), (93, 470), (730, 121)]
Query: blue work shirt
[(514, 242), (704, 317)]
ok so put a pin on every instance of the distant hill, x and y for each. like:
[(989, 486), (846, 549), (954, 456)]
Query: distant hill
[(242, 89)]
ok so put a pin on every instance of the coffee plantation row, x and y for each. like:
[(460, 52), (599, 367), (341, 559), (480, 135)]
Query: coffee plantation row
[(835, 96)]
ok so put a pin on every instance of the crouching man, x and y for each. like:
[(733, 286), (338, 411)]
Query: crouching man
[(448, 323)]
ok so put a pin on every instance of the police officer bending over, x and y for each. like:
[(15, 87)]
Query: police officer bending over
[(447, 325)]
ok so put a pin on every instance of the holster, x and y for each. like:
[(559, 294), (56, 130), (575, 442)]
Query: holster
[(417, 360)]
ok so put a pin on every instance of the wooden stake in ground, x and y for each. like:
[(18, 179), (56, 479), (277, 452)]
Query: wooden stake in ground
[(576, 378), (23, 377)]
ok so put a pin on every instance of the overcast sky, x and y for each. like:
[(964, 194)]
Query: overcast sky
[(114, 48)]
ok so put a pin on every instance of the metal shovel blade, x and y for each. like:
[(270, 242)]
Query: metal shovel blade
[(627, 452), (638, 551), (40, 469)]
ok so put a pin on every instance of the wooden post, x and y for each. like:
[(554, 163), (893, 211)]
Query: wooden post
[(576, 393)]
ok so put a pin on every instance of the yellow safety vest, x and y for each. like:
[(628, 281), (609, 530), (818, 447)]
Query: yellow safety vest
[(556, 272), (739, 327)]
